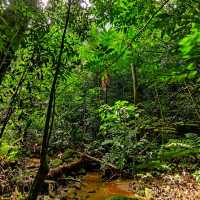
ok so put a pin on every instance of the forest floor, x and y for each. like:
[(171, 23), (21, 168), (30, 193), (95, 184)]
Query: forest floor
[(89, 185)]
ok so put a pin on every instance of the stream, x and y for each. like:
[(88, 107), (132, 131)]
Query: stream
[(92, 187)]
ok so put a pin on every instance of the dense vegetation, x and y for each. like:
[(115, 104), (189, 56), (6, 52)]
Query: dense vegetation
[(117, 81)]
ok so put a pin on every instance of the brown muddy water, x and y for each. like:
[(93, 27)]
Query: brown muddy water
[(92, 187)]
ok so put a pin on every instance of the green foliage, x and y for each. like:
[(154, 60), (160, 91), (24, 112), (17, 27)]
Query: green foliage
[(10, 152), (56, 162), (115, 117), (68, 153), (102, 49), (118, 132), (127, 145), (101, 43), (179, 149), (196, 175), (189, 47), (155, 165)]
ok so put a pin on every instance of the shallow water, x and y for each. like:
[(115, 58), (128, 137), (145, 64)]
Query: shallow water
[(93, 187)]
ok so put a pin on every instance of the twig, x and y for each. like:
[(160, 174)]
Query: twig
[(150, 19)]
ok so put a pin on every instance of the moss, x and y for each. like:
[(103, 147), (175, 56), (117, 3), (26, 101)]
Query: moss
[(56, 162), (68, 153)]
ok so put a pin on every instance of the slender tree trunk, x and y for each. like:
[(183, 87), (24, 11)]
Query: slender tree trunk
[(44, 168), (105, 84), (134, 78), (106, 94), (10, 109), (85, 88)]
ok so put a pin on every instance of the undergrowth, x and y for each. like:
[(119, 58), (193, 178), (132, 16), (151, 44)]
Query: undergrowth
[(9, 151), (135, 142)]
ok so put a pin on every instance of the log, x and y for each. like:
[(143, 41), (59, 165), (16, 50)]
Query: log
[(84, 160), (65, 168)]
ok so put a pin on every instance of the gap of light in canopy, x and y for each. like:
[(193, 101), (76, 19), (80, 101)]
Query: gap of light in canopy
[(84, 3)]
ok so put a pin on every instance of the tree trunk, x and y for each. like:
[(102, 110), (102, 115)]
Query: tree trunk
[(44, 168), (134, 78)]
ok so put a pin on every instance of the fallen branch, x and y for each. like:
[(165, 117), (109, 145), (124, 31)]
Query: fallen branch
[(76, 165), (65, 168)]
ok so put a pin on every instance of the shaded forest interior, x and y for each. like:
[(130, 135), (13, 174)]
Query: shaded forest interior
[(101, 95)]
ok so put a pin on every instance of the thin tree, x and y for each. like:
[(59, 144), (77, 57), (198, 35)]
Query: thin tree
[(134, 79), (44, 168), (10, 110)]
